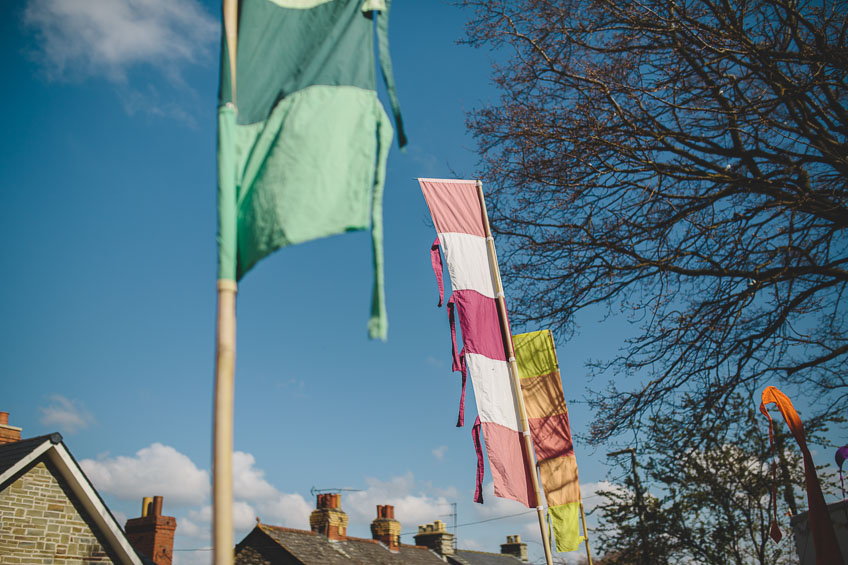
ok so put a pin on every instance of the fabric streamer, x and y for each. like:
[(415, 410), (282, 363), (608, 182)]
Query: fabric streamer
[(303, 142), (824, 538), (459, 220), (544, 402)]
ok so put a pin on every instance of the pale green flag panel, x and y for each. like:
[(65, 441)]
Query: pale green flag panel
[(302, 148)]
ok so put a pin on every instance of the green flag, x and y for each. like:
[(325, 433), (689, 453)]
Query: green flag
[(302, 145)]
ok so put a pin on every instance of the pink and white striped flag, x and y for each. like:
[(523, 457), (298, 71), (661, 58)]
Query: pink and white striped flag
[(458, 216)]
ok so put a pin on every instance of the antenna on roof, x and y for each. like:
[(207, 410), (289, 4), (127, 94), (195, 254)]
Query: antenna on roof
[(313, 491), (452, 515)]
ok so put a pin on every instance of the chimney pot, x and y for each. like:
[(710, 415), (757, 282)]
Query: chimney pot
[(8, 434), (152, 534), (328, 518), (515, 547), (146, 504), (435, 537), (385, 528)]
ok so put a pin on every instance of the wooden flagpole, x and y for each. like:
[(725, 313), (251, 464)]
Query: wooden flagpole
[(225, 355), (222, 465), (513, 372), (585, 533)]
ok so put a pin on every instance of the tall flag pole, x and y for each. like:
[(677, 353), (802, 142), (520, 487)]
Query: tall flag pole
[(222, 448), (301, 156), (541, 387), (459, 214), (222, 499)]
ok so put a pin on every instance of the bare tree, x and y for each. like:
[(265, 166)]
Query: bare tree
[(684, 161)]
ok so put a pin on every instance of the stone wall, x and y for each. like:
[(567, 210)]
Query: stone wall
[(41, 524)]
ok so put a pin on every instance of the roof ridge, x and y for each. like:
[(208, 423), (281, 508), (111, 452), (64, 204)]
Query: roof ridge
[(413, 546), (353, 538), (485, 552), (284, 529)]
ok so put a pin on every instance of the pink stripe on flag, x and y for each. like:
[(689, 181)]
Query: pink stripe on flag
[(479, 323), (551, 436), (454, 205), (507, 457)]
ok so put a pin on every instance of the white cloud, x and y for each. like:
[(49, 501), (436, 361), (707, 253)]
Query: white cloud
[(157, 470), (107, 37), (131, 43), (282, 509), (249, 482), (474, 545), (244, 518), (69, 416), (591, 498), (494, 506), (198, 556), (295, 387), (435, 362), (415, 503), (196, 525), (439, 452), (268, 503), (162, 470)]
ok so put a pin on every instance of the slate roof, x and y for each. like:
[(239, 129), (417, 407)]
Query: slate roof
[(12, 453), (309, 548), (468, 557)]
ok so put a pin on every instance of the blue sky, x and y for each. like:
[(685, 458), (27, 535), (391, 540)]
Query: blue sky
[(108, 294)]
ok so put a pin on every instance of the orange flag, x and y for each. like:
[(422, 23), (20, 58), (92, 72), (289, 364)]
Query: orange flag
[(824, 538)]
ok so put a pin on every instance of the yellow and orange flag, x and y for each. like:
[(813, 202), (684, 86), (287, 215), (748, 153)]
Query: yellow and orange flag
[(547, 414)]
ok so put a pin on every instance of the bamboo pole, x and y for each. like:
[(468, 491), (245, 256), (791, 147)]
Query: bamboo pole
[(585, 533), (230, 12), (225, 354), (222, 465), (513, 372)]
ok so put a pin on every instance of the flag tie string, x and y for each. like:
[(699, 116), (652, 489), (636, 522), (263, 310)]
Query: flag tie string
[(438, 269), (475, 435)]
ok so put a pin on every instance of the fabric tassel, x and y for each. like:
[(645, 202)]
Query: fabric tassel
[(438, 269), (386, 68), (455, 364), (475, 434), (460, 421)]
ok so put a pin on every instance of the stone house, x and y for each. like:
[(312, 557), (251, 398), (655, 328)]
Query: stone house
[(327, 543), (51, 513)]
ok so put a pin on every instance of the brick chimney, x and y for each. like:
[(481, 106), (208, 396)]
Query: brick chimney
[(514, 546), (436, 537), (152, 534), (385, 528), (328, 518), (8, 434)]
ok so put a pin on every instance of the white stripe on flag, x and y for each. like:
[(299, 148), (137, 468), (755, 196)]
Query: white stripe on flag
[(468, 262), (493, 390)]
